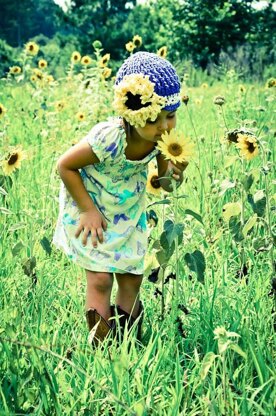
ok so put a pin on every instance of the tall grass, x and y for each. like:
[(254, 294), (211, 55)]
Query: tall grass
[(182, 366)]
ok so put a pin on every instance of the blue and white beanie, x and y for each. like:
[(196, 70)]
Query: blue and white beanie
[(145, 85), (160, 72)]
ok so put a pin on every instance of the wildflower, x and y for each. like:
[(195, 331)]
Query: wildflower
[(15, 70), (13, 160), (174, 147), (153, 184), (162, 52), (130, 46), (232, 135), (33, 78), (107, 72), (137, 40), (75, 57), (86, 60), (104, 60), (204, 85), (150, 103), (32, 48), (59, 105), (248, 146), (38, 74), (186, 77), (185, 99), (198, 101), (271, 82), (50, 79), (80, 116), (42, 63), (2, 110), (219, 100)]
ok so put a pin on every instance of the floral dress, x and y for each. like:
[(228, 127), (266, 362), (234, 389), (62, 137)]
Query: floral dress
[(117, 187)]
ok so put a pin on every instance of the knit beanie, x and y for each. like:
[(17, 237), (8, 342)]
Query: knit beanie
[(160, 72), (145, 85)]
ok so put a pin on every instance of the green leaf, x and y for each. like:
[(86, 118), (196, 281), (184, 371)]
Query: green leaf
[(238, 350), (258, 202), (249, 224), (46, 245), (247, 181), (5, 211), (196, 263), (3, 191), (17, 248), (194, 214), (231, 209), (235, 227), (162, 202), (207, 363)]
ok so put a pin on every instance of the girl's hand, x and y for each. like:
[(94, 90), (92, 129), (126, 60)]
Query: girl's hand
[(177, 170), (91, 222)]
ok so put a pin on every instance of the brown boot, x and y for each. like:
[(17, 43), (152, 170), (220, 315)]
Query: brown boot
[(127, 320), (99, 328)]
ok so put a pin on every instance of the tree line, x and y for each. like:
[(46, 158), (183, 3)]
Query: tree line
[(197, 30)]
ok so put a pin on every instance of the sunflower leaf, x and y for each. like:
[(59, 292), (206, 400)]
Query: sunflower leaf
[(249, 224), (162, 202), (258, 202), (46, 245), (196, 263), (194, 214), (247, 182)]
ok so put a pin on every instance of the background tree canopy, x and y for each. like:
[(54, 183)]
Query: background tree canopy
[(192, 30)]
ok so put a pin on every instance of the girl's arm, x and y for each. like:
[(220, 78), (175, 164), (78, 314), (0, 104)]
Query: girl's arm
[(168, 169), (91, 220)]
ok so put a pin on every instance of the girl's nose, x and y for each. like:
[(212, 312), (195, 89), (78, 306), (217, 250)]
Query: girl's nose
[(163, 125)]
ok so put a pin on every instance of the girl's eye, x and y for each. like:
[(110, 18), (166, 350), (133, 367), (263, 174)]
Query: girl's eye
[(171, 115)]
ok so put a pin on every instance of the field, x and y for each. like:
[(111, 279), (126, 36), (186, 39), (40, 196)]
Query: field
[(208, 343)]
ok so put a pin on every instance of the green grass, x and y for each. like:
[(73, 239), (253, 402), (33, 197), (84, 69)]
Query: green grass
[(46, 366)]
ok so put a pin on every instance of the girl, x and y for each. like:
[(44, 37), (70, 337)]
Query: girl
[(102, 219)]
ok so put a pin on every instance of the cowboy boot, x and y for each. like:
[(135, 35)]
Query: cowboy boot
[(99, 328), (127, 320)]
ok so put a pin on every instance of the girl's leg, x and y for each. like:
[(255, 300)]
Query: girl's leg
[(99, 287), (128, 292)]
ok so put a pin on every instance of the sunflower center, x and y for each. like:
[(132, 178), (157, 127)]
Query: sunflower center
[(175, 149), (1, 110), (31, 47), (133, 102), (13, 159), (250, 147), (154, 181)]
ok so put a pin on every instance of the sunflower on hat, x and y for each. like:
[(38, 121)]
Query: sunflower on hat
[(140, 87)]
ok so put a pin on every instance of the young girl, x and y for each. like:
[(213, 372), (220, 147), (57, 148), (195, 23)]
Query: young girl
[(102, 219)]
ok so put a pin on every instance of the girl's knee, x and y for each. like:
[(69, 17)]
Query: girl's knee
[(129, 281), (100, 281)]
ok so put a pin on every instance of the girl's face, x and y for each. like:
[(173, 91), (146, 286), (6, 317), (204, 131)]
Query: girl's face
[(153, 130)]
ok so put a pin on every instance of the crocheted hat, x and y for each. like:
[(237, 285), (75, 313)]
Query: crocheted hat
[(154, 80)]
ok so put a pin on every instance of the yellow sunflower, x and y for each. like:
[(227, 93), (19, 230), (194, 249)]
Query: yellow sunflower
[(80, 116), (248, 146), (13, 160), (130, 46), (270, 83), (32, 48), (242, 89), (153, 184), (38, 73), (162, 52), (33, 78), (2, 110), (86, 60), (104, 60), (137, 40), (75, 57), (42, 63), (106, 72), (140, 85), (50, 79), (175, 148), (204, 85), (15, 70)]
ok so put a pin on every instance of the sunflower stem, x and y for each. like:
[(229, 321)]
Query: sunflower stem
[(242, 220), (271, 250), (175, 208)]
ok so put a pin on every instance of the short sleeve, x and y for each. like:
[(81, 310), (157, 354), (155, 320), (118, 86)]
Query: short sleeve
[(104, 140)]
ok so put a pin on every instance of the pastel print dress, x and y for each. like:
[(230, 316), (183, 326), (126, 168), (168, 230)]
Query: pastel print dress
[(118, 189)]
